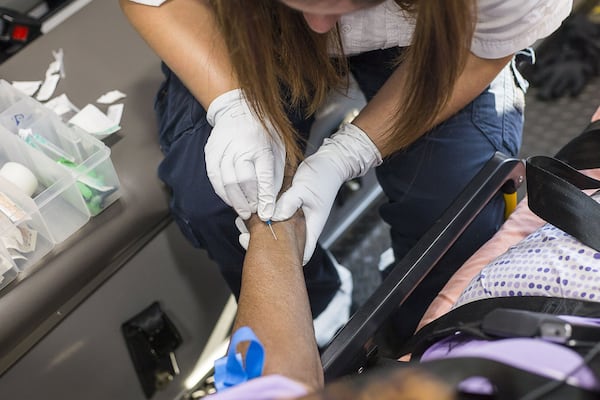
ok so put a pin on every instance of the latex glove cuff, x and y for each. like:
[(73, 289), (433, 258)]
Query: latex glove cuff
[(222, 103), (358, 151), (349, 153)]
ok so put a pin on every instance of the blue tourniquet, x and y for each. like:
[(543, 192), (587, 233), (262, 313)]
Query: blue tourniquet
[(231, 370)]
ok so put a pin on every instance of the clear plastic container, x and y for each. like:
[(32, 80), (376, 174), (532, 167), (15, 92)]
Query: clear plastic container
[(8, 269), (57, 199), (23, 231), (85, 157), (16, 107)]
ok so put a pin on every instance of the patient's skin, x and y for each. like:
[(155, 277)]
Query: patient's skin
[(274, 301), (387, 384), (596, 115)]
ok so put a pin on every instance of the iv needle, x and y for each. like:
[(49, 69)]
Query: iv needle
[(270, 224)]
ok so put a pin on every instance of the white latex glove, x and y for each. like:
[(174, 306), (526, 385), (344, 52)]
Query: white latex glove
[(244, 237), (244, 162), (348, 154)]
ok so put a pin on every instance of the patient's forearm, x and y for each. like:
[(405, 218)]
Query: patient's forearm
[(274, 302)]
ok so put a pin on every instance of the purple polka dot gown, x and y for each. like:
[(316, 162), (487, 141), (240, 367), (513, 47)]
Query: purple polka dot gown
[(548, 262)]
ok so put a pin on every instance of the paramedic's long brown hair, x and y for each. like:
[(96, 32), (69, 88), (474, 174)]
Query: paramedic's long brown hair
[(271, 45)]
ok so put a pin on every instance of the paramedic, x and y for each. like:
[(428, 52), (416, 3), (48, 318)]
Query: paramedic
[(243, 80)]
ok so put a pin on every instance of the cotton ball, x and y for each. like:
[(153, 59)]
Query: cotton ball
[(20, 176)]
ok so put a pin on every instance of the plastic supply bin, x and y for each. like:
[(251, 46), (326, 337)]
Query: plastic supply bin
[(23, 231), (8, 269), (56, 209), (85, 157), (75, 175), (16, 107)]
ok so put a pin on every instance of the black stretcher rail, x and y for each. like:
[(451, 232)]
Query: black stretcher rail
[(351, 348)]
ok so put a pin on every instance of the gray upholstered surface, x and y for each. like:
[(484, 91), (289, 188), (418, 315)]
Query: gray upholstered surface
[(105, 54)]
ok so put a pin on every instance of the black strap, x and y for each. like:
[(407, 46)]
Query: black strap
[(468, 317), (554, 195), (583, 151), (553, 187), (509, 382)]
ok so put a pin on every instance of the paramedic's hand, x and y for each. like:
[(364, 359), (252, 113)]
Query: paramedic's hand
[(244, 237), (349, 153), (244, 161)]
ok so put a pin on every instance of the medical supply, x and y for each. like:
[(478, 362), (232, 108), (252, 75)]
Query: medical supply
[(17, 237), (5, 266), (31, 224), (43, 144), (111, 97), (27, 87), (62, 106), (94, 122), (20, 176), (75, 178), (8, 269), (20, 241), (10, 210), (55, 71), (270, 225), (91, 187), (54, 177), (236, 368)]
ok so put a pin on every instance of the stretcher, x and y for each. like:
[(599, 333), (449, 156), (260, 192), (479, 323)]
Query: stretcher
[(501, 356), (355, 347)]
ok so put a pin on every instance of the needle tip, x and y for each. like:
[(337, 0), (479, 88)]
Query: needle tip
[(269, 224)]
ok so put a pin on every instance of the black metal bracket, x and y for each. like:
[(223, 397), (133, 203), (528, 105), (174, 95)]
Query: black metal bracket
[(151, 339)]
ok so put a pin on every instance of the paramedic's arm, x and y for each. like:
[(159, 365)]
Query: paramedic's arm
[(274, 302), (184, 34), (477, 75)]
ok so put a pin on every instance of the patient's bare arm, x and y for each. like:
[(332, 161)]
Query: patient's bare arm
[(274, 302)]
